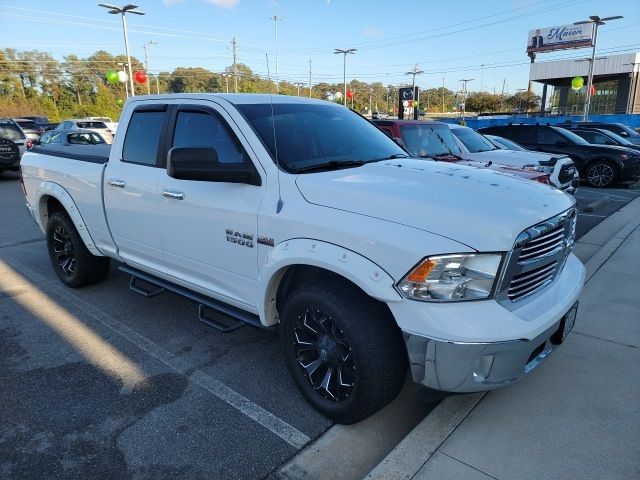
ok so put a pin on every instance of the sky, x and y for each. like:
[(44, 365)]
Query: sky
[(483, 40)]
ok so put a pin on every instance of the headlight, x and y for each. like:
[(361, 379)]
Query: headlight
[(452, 278)]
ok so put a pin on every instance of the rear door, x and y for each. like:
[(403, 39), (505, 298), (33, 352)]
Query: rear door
[(131, 189), (209, 229)]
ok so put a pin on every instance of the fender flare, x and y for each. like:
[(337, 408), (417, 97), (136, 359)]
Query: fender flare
[(52, 189), (371, 278)]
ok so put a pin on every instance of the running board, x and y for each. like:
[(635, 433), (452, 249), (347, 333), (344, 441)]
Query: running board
[(237, 318)]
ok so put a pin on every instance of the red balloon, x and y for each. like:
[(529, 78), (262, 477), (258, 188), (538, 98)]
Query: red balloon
[(349, 94), (593, 90), (140, 76)]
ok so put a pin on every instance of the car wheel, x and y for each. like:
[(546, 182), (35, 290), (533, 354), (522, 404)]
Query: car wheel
[(601, 173), (71, 260), (343, 349)]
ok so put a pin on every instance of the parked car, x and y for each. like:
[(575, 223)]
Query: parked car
[(599, 165), (42, 122), (434, 141), (71, 137), (560, 168), (30, 128), (85, 124), (623, 130), (13, 144), (299, 212), (113, 126), (599, 136)]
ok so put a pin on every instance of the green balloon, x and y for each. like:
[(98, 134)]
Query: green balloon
[(577, 83), (112, 76), (119, 102)]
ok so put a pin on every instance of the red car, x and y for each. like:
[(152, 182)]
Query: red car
[(434, 141)]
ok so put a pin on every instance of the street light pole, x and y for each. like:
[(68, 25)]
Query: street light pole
[(345, 52), (597, 21), (122, 11), (276, 19)]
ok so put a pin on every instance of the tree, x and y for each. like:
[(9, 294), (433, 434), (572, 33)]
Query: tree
[(524, 101), (192, 80), (482, 102)]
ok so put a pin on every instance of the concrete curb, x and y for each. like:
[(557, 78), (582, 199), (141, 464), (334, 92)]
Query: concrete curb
[(601, 202), (417, 448)]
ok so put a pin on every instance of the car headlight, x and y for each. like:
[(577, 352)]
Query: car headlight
[(452, 278)]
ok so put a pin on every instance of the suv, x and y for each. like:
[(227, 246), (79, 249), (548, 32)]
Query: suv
[(600, 165), (600, 136), (561, 170), (31, 129), (617, 128), (13, 144)]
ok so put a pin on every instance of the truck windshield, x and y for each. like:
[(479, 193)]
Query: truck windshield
[(309, 135), (429, 140)]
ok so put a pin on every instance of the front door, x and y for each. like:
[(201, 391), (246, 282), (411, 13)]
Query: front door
[(208, 229)]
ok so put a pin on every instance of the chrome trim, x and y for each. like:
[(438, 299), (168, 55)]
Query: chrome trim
[(173, 194), (114, 182), (538, 247)]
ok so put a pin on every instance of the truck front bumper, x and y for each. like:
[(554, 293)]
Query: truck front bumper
[(462, 365)]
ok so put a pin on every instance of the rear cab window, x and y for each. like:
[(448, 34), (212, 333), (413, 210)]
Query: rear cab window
[(142, 140), (11, 131)]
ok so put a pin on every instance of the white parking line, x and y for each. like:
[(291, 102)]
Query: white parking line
[(608, 194), (275, 425), (591, 215)]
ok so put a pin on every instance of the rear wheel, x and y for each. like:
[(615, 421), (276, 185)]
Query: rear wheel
[(71, 260), (343, 349), (601, 173)]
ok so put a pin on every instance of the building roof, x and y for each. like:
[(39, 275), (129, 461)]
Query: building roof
[(606, 65)]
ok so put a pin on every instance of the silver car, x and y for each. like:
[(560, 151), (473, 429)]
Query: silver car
[(87, 124), (71, 137)]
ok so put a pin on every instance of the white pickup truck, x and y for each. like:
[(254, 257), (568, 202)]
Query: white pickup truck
[(300, 213)]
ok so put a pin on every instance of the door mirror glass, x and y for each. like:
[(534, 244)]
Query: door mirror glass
[(201, 164)]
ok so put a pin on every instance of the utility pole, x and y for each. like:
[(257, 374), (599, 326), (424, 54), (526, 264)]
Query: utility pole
[(298, 85), (276, 19), (442, 94), (153, 44), (504, 83), (345, 52), (309, 78), (597, 21), (414, 72), (235, 71), (464, 94), (146, 68), (370, 100)]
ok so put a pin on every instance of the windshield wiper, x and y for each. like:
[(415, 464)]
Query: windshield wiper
[(440, 155), (390, 157), (332, 165)]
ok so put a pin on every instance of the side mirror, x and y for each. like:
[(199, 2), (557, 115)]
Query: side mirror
[(201, 164)]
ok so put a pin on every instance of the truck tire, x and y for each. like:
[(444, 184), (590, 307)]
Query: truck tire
[(601, 173), (343, 349), (71, 260)]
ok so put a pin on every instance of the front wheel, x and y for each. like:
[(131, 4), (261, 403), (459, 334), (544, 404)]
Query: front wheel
[(601, 173), (343, 349), (72, 262)]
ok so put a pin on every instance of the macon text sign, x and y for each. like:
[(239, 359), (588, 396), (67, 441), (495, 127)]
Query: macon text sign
[(559, 38)]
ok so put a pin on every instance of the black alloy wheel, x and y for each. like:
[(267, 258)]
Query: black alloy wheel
[(601, 174), (324, 355), (63, 250)]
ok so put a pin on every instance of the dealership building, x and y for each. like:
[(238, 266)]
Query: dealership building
[(616, 84)]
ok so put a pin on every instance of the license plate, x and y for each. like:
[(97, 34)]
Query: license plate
[(569, 320)]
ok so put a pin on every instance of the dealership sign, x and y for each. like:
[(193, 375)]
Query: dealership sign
[(560, 38)]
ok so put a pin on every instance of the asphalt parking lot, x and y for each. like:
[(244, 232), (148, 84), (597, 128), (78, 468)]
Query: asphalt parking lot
[(187, 401), (615, 199)]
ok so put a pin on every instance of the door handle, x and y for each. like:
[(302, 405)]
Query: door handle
[(173, 194), (114, 182)]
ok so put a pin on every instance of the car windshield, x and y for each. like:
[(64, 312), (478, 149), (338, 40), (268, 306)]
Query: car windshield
[(10, 131), (571, 136), (506, 143), (473, 140), (429, 140), (91, 125), (313, 134), (618, 138)]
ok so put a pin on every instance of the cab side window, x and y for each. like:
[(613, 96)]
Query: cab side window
[(520, 134), (201, 129), (547, 136)]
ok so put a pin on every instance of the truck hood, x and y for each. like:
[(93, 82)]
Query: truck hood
[(480, 208)]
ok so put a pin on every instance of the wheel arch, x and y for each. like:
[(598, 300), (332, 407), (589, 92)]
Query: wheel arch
[(589, 161), (50, 198), (297, 260)]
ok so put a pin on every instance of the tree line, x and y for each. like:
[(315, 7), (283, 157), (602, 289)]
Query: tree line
[(34, 83)]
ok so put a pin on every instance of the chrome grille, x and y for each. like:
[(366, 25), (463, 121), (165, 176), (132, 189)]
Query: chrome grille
[(538, 256), (528, 283), (543, 245)]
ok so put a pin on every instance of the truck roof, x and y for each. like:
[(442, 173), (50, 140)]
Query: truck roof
[(234, 98)]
